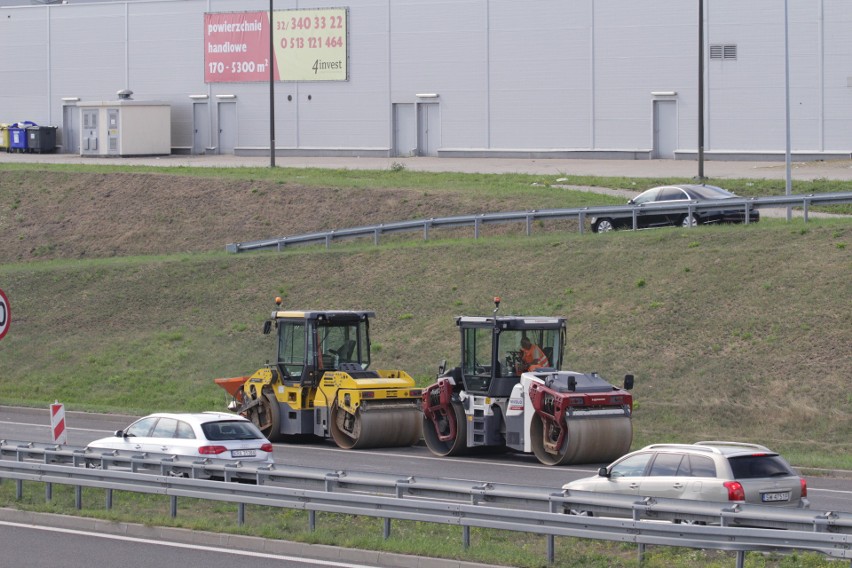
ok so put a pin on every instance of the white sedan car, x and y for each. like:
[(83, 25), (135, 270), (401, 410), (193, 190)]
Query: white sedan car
[(201, 435)]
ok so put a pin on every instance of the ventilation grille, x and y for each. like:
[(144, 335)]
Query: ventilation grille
[(723, 51)]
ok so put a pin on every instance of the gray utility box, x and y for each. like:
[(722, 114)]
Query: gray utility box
[(125, 128)]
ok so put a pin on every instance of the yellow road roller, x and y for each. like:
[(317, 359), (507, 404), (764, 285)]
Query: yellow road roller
[(320, 384)]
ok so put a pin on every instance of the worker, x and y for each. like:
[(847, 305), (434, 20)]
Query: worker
[(532, 357)]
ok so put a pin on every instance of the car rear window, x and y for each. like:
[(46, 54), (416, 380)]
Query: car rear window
[(184, 431), (231, 430), (764, 465), (671, 194), (711, 192), (701, 466)]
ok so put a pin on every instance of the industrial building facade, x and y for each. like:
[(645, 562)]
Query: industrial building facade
[(532, 78)]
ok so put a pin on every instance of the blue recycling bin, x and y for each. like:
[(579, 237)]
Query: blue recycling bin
[(18, 136)]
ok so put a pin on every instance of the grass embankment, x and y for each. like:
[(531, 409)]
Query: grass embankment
[(738, 332), (732, 333)]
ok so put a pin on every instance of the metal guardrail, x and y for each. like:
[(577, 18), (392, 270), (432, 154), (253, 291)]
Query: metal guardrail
[(529, 217), (619, 518)]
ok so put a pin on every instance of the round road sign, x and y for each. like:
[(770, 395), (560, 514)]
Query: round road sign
[(5, 314)]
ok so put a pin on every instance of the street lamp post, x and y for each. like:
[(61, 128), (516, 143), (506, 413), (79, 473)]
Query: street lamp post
[(700, 90), (271, 90), (787, 159)]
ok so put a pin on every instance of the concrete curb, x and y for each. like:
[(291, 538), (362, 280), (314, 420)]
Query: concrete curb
[(718, 169), (822, 472), (231, 541)]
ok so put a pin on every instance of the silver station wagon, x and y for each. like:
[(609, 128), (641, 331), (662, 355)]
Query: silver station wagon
[(704, 471)]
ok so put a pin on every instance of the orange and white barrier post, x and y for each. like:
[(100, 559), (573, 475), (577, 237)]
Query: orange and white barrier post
[(57, 423)]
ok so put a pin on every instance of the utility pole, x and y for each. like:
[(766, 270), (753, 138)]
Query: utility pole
[(787, 157), (700, 90), (271, 89)]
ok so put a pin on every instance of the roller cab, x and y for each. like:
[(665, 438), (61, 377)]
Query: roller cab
[(320, 384)]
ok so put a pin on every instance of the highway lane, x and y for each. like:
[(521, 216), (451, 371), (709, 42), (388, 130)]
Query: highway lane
[(825, 493), (499, 467), (29, 546)]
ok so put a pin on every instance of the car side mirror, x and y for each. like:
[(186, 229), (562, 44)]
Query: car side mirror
[(603, 472), (628, 382), (442, 366), (631, 202), (267, 327), (119, 434)]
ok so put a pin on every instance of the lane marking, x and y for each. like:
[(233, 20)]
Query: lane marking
[(203, 548), (67, 429), (841, 491)]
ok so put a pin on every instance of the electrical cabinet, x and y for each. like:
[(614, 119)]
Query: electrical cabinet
[(125, 127)]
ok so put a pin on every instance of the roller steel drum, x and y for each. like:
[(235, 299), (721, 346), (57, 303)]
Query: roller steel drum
[(587, 440), (376, 427)]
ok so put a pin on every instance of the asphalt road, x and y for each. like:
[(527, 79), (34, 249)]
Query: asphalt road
[(825, 493), (31, 546)]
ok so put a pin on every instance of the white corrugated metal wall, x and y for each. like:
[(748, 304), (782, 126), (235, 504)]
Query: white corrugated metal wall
[(548, 77)]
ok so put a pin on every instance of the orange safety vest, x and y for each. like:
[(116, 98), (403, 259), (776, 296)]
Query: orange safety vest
[(534, 358)]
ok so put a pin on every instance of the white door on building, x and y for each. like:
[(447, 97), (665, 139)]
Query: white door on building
[(90, 134), (404, 130), (113, 131), (227, 127), (200, 128), (70, 129), (665, 129), (428, 129)]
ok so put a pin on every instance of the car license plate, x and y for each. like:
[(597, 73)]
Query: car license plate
[(773, 497), (242, 453)]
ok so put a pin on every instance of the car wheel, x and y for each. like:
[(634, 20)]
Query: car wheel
[(689, 221), (579, 513), (603, 226)]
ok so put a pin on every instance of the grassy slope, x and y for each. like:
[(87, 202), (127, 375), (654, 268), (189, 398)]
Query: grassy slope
[(732, 332)]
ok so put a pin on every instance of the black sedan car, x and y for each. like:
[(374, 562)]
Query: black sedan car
[(670, 194)]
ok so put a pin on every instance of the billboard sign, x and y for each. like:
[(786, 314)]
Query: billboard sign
[(307, 45)]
